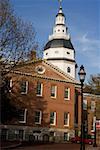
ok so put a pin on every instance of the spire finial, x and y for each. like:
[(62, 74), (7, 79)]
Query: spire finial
[(60, 1)]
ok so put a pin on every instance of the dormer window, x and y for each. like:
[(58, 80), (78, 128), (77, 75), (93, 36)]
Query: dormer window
[(68, 70)]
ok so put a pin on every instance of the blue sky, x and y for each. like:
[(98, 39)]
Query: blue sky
[(82, 20)]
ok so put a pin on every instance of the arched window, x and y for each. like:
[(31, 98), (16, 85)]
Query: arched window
[(68, 70)]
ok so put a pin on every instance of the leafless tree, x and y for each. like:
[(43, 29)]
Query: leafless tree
[(17, 38), (93, 87)]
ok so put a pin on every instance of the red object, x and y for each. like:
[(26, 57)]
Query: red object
[(98, 124), (77, 139)]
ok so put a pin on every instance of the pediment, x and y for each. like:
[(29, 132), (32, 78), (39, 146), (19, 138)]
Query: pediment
[(45, 70)]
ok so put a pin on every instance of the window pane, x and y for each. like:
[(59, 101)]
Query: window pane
[(66, 93), (52, 118), (23, 87), (39, 89), (66, 118), (21, 134), (53, 91), (21, 115), (65, 136), (68, 70), (37, 116)]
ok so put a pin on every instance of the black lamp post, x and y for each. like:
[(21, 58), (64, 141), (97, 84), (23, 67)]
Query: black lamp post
[(82, 75)]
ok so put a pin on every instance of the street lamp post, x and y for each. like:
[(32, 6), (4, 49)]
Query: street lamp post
[(82, 75)]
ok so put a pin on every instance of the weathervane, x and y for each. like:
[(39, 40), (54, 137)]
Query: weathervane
[(60, 1)]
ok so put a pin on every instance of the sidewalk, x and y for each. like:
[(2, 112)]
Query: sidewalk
[(90, 147)]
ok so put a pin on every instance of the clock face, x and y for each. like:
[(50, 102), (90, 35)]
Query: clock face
[(40, 69)]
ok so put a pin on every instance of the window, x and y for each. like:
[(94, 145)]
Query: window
[(67, 94), (93, 106), (22, 115), (39, 89), (52, 118), (40, 69), (4, 134), (68, 53), (66, 118), (84, 104), (68, 70), (24, 87), (53, 91), (21, 132), (66, 136), (38, 115)]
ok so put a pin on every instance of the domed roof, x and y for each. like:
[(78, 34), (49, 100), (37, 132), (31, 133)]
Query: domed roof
[(56, 43)]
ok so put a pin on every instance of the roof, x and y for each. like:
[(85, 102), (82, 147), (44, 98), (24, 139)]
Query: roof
[(64, 77), (55, 43)]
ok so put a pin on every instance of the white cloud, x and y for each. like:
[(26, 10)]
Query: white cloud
[(88, 44), (89, 49)]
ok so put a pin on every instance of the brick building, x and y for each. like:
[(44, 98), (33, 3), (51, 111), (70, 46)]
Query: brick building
[(91, 103), (46, 93), (45, 99)]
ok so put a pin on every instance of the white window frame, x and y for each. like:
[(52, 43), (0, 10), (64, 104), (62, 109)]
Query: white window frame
[(54, 118), (68, 94), (26, 88), (68, 118), (40, 117), (41, 94), (55, 91), (25, 113)]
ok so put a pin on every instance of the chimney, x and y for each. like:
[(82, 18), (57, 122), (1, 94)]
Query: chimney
[(33, 55)]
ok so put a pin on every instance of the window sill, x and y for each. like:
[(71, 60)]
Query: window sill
[(52, 124), (53, 97), (66, 125), (66, 99), (22, 121), (23, 93), (37, 123), (39, 95)]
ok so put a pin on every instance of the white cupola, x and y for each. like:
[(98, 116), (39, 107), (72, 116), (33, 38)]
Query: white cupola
[(59, 50)]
